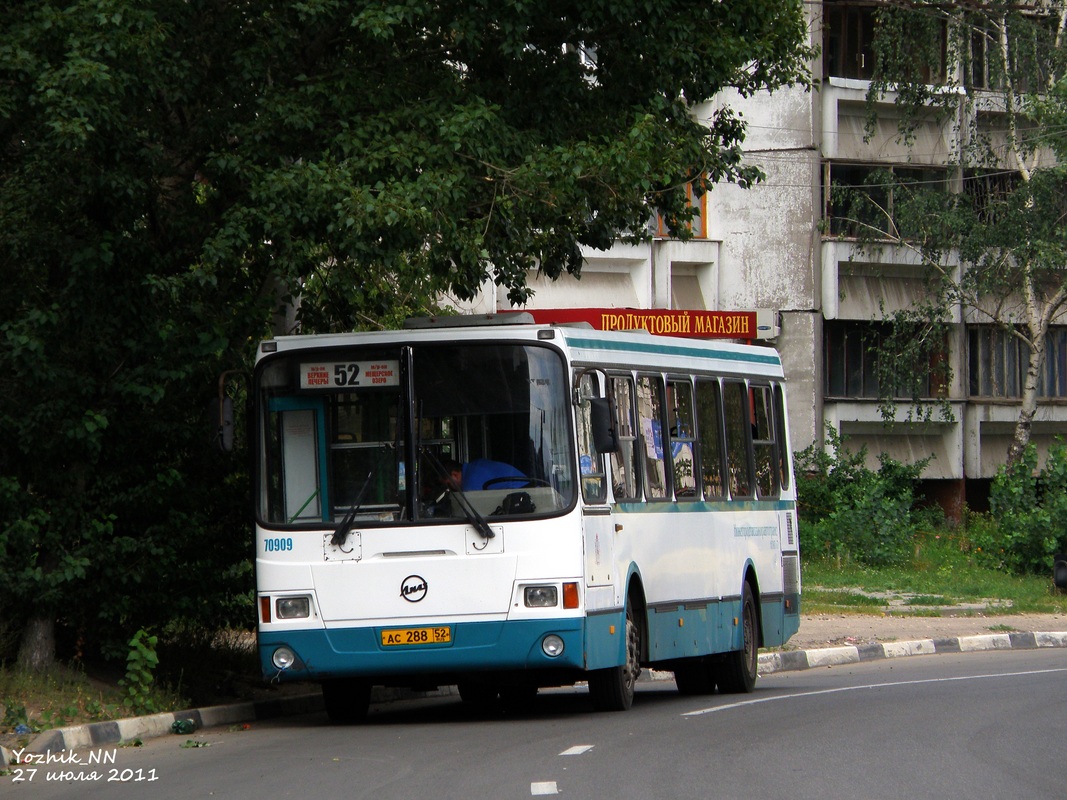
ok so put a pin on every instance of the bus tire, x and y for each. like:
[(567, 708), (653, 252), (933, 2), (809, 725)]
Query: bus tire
[(737, 669), (346, 699), (612, 689), (696, 675)]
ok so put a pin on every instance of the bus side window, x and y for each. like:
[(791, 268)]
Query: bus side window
[(764, 446), (738, 456), (590, 462), (650, 413), (683, 444), (709, 420), (784, 465), (624, 462)]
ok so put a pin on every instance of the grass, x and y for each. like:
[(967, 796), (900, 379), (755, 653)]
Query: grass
[(195, 668), (32, 702), (825, 599), (940, 574)]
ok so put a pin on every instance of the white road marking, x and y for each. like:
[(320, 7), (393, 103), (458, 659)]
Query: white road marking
[(577, 750), (742, 704), (543, 787)]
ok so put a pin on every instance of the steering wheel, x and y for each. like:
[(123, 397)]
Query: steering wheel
[(528, 482)]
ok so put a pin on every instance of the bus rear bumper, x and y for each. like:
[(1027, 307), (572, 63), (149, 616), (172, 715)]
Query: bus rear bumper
[(473, 647)]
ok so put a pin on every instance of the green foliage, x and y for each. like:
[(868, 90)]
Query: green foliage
[(172, 173), (1027, 523), (53, 698), (945, 563), (14, 715), (851, 512), (141, 663)]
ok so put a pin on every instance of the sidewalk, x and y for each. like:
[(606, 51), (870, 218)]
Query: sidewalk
[(823, 641)]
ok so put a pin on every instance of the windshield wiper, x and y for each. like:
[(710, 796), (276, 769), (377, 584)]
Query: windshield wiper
[(348, 519), (469, 511)]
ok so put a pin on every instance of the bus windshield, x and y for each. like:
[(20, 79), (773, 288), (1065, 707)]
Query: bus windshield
[(426, 433)]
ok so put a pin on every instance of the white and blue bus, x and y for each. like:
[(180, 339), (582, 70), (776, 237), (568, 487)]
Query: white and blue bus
[(503, 506)]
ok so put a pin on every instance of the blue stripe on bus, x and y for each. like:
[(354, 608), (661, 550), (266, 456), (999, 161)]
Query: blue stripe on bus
[(475, 646), (704, 506), (656, 347)]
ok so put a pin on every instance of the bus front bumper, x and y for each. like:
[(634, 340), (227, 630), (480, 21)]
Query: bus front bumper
[(296, 655)]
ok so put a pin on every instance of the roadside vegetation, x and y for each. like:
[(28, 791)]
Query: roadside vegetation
[(868, 539), (186, 666)]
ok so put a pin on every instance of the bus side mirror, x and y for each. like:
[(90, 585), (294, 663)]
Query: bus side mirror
[(222, 414), (603, 424), (224, 430)]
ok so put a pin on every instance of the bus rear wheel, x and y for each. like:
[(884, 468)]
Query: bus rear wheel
[(737, 670), (612, 689), (346, 699)]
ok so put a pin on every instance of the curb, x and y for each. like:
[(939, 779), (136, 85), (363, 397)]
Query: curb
[(113, 732), (97, 734), (853, 654)]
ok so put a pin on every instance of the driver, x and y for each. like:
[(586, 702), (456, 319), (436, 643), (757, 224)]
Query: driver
[(474, 475)]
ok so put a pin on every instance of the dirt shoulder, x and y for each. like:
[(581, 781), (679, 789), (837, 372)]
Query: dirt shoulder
[(828, 630)]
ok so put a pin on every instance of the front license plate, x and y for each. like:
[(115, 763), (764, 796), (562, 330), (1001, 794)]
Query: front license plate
[(404, 636)]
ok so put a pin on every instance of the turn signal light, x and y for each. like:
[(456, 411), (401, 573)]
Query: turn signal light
[(570, 595)]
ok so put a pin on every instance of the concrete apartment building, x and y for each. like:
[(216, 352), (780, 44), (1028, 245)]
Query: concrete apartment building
[(775, 248)]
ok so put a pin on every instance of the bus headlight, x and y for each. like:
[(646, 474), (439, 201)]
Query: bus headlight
[(283, 658), (552, 645), (293, 607), (541, 596)]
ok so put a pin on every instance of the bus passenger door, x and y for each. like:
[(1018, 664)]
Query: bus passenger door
[(598, 518)]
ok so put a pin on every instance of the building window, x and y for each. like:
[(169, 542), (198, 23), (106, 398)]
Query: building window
[(851, 359), (1031, 38), (988, 191), (698, 223), (999, 359), (848, 40), (859, 199), (981, 46)]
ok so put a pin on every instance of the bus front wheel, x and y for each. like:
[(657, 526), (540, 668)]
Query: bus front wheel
[(737, 671), (612, 689), (346, 699)]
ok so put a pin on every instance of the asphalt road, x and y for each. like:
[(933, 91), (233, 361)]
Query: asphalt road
[(976, 725)]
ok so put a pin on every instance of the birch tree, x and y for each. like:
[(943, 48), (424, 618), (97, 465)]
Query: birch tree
[(993, 239)]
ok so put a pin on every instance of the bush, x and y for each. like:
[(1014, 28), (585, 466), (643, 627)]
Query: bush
[(1029, 511), (850, 511)]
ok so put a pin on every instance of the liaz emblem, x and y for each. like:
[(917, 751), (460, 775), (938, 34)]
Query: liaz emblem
[(413, 588)]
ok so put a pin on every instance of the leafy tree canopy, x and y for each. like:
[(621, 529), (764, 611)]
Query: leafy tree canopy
[(171, 171)]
